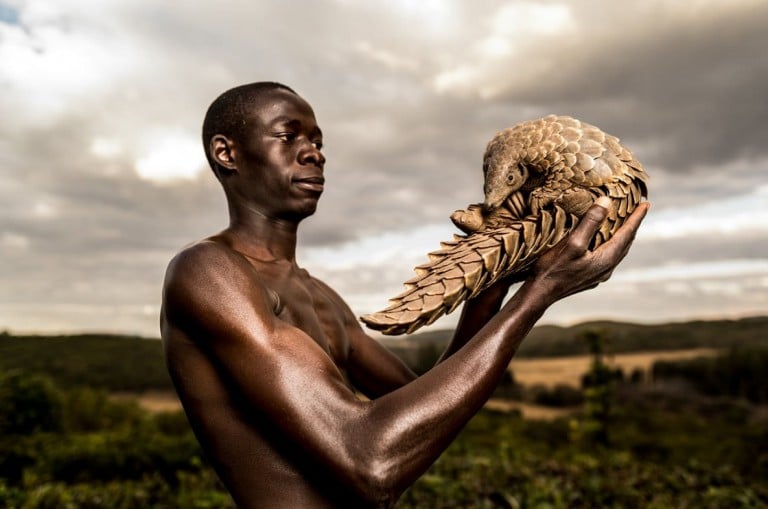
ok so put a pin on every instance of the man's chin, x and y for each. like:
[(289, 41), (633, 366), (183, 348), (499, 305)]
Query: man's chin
[(307, 209)]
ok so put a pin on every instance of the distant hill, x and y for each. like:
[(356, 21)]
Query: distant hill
[(111, 362), (552, 341), (129, 363)]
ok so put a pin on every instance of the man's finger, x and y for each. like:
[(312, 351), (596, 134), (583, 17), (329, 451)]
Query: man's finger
[(585, 231), (622, 239), (618, 246)]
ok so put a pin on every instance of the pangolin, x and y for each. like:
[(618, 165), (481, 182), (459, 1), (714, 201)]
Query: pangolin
[(541, 176)]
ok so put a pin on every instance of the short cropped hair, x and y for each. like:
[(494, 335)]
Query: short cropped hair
[(228, 113)]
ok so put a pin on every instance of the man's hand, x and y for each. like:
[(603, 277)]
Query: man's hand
[(569, 267)]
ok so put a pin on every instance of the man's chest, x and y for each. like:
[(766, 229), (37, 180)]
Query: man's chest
[(305, 305)]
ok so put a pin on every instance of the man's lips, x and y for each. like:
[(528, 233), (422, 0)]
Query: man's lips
[(310, 183)]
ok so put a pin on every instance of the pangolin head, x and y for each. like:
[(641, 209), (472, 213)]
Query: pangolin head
[(502, 178), (503, 169)]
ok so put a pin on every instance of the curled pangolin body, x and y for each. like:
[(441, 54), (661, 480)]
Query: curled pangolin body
[(541, 176)]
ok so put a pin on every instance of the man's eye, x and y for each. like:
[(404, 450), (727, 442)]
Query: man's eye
[(318, 144), (286, 136)]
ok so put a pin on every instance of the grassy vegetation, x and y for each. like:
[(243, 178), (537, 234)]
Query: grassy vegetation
[(665, 451), (667, 462), (695, 437)]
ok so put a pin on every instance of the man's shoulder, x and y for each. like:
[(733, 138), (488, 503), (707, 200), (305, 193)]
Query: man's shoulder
[(209, 254), (205, 274), (207, 262)]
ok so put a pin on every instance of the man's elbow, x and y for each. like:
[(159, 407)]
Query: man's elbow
[(379, 483)]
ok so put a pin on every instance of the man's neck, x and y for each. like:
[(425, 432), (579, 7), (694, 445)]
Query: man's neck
[(261, 237)]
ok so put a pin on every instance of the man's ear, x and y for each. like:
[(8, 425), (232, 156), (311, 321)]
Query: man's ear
[(223, 152)]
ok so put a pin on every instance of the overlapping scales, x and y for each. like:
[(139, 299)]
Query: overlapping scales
[(466, 266)]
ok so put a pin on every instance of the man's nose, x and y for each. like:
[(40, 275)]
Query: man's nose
[(310, 154)]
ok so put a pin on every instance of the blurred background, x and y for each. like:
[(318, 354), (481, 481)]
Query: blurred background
[(103, 179)]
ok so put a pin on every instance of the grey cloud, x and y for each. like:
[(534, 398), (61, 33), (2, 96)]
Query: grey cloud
[(697, 249), (684, 93), (686, 87)]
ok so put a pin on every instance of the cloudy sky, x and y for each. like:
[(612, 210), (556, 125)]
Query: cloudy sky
[(103, 179)]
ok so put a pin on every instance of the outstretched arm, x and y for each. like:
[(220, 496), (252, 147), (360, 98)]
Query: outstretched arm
[(375, 448), (479, 310)]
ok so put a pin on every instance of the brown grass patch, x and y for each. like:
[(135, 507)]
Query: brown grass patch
[(550, 372), (151, 401)]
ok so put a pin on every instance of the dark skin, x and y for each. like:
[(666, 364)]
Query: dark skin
[(272, 390)]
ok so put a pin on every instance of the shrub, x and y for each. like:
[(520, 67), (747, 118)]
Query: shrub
[(742, 372), (28, 404), (561, 395)]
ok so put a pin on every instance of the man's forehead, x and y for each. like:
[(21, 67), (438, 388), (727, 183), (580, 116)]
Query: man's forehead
[(277, 104)]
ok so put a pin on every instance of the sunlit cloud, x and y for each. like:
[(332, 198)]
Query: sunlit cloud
[(44, 209), (695, 271), (169, 157), (517, 23), (387, 58), (51, 63), (377, 250), (14, 241), (744, 214), (512, 27), (457, 78), (106, 147)]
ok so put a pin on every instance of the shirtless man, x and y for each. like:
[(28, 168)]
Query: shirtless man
[(267, 359)]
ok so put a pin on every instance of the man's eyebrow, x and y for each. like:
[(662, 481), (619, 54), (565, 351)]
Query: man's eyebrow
[(294, 123)]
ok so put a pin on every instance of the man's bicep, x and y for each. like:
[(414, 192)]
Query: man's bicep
[(287, 379)]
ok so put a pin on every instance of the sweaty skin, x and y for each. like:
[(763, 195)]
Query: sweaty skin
[(271, 390)]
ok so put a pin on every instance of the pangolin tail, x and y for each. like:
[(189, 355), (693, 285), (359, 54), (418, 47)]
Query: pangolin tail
[(467, 265)]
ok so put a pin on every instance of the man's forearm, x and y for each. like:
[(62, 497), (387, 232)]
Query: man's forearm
[(423, 417), (474, 315)]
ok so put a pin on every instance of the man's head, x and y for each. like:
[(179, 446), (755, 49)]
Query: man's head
[(264, 145), (228, 114)]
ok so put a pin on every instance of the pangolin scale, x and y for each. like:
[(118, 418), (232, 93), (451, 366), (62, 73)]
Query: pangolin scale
[(541, 176)]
